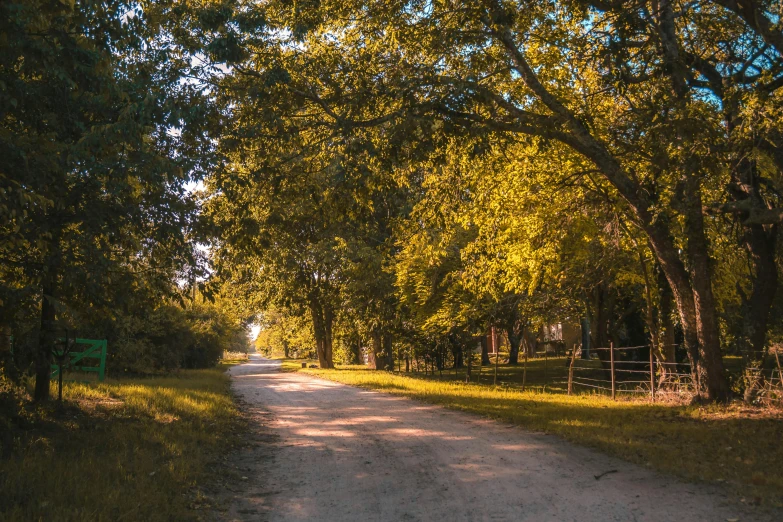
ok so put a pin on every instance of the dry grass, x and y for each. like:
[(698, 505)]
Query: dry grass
[(120, 450), (733, 445)]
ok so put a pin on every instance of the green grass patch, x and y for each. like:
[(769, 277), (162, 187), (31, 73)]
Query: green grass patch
[(734, 445), (120, 450)]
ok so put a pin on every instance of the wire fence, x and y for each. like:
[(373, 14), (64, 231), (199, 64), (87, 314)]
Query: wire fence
[(629, 370), (636, 370), (766, 384)]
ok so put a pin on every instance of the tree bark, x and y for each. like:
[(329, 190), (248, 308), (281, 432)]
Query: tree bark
[(515, 335), (469, 369), (710, 364), (439, 357), (756, 308), (667, 349), (356, 350), (328, 337), (46, 342), (652, 326), (375, 360), (485, 351), (760, 241), (456, 352), (381, 353), (388, 352), (599, 320), (323, 320)]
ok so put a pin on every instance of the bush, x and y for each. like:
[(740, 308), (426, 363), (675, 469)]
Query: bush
[(171, 337)]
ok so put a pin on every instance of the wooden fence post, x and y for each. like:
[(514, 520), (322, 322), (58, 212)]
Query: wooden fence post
[(652, 375), (571, 371), (611, 361)]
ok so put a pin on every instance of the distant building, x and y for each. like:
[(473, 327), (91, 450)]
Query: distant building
[(553, 338)]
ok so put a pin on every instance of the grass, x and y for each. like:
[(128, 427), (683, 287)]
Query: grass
[(120, 450), (234, 357), (295, 365), (734, 445)]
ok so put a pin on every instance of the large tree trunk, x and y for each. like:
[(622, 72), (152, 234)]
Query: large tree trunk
[(456, 352), (485, 351), (322, 329), (710, 364), (515, 335), (756, 308), (46, 343), (514, 326), (320, 349), (599, 320), (388, 351), (378, 359)]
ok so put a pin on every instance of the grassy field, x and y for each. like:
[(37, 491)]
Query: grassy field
[(121, 450), (738, 446)]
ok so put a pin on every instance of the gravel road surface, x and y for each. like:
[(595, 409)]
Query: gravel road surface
[(324, 451)]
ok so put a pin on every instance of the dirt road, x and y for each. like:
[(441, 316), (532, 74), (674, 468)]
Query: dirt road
[(329, 452)]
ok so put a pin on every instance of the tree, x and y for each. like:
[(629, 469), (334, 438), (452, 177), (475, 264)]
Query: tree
[(284, 334), (620, 86), (92, 175)]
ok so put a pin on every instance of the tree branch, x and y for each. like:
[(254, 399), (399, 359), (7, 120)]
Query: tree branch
[(751, 215)]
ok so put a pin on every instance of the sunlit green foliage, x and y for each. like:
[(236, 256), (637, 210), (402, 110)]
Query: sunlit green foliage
[(646, 130)]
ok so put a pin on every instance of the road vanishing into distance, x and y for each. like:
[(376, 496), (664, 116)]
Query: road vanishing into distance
[(324, 451)]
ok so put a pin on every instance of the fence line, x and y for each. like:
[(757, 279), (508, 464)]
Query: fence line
[(619, 390), (670, 373)]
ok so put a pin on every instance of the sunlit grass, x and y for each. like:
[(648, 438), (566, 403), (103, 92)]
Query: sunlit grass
[(229, 356), (733, 445), (294, 365), (121, 450)]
